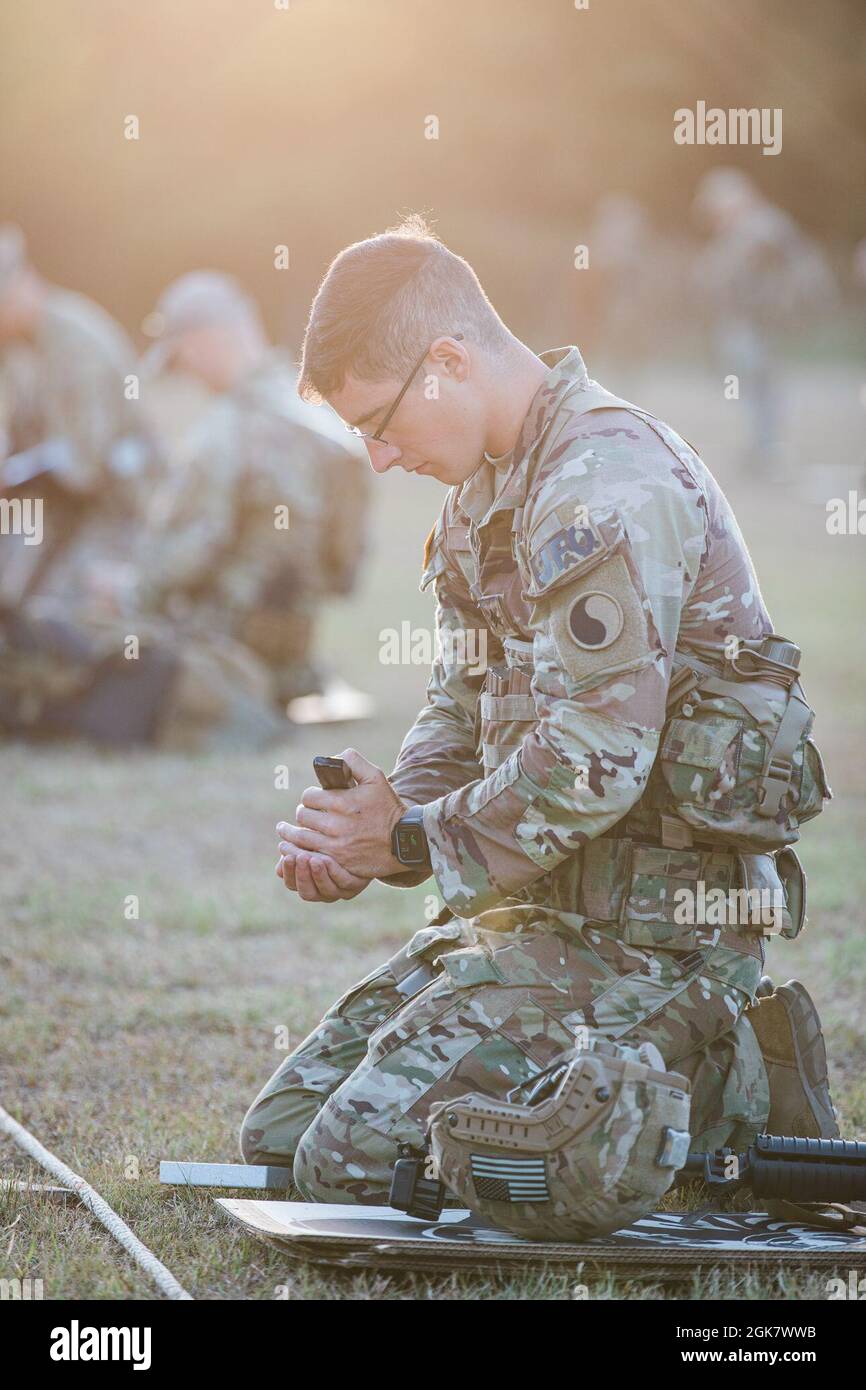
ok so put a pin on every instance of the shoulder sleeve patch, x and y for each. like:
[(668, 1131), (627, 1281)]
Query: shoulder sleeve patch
[(602, 623)]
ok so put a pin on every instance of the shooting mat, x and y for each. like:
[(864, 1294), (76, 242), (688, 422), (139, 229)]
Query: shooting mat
[(379, 1236)]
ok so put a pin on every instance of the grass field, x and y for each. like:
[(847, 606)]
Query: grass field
[(126, 1041)]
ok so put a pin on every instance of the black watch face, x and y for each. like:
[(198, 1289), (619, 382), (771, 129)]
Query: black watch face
[(412, 844)]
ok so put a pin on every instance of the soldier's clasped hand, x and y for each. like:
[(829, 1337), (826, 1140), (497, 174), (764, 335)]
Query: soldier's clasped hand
[(341, 839)]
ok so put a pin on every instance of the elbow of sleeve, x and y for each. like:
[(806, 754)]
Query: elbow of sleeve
[(558, 822)]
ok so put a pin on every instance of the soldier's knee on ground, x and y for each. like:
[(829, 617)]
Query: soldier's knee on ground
[(250, 1139), (316, 1175), (271, 1138), (341, 1159)]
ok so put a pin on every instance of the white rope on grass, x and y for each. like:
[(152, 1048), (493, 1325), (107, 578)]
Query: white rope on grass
[(162, 1277)]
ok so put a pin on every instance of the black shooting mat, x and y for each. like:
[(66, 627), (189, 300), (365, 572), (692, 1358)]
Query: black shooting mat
[(382, 1237)]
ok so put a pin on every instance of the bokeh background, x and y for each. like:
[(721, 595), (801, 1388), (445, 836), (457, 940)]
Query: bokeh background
[(304, 127)]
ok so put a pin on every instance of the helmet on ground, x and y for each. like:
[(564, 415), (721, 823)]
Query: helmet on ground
[(585, 1148)]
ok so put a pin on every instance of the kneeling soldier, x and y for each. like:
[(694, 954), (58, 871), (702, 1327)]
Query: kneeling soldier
[(637, 732)]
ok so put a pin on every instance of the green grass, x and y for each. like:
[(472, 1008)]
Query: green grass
[(145, 1039)]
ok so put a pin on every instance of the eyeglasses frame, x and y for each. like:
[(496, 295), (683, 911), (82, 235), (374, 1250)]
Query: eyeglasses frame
[(377, 437)]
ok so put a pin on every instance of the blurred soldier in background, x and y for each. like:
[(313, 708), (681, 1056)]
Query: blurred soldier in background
[(71, 432), (190, 630), (632, 303), (758, 276), (264, 512), (619, 246), (73, 443), (172, 403)]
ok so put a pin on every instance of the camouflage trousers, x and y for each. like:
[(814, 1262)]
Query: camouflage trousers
[(435, 1022)]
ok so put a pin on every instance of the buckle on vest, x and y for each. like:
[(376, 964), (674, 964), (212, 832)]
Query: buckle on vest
[(773, 785)]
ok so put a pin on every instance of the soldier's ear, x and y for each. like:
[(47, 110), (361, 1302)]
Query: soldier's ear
[(451, 357)]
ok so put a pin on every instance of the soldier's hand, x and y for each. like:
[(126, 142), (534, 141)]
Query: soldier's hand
[(352, 826), (317, 878)]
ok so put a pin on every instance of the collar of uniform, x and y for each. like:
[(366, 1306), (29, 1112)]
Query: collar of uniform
[(567, 373), (478, 493)]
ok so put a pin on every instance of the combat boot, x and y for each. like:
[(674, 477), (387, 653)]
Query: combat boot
[(788, 1030)]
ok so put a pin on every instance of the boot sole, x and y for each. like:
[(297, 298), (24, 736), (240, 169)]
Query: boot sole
[(811, 1055)]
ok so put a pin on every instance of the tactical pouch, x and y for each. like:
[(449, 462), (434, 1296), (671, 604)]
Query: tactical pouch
[(505, 722), (794, 883), (639, 887), (768, 906), (662, 904), (676, 899), (506, 706), (736, 763)]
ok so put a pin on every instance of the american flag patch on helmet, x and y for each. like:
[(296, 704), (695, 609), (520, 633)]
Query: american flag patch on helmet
[(509, 1179)]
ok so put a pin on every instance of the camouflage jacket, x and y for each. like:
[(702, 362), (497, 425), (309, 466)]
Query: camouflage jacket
[(607, 544), (68, 389), (70, 384), (249, 498)]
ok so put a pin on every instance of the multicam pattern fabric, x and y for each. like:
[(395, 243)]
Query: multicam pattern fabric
[(72, 383), (604, 499), (495, 1014), (577, 574), (244, 524)]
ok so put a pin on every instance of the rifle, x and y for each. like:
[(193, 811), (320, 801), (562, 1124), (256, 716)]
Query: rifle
[(784, 1168)]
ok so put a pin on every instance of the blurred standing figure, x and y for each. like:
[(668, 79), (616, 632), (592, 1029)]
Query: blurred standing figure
[(759, 276), (633, 305), (263, 514), (858, 274), (620, 247)]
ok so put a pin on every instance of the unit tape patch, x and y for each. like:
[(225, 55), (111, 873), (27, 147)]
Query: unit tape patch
[(566, 550)]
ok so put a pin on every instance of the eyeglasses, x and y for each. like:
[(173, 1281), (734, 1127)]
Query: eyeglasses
[(364, 434)]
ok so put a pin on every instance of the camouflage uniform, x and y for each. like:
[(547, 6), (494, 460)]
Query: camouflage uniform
[(607, 543), (67, 390), (219, 530), (72, 422), (70, 383)]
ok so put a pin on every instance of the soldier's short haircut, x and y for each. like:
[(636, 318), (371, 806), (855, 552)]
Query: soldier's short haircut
[(383, 301)]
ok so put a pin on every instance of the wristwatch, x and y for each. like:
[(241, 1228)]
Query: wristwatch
[(409, 839)]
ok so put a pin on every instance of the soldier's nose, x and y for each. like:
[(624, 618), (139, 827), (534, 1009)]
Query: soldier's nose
[(382, 456)]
